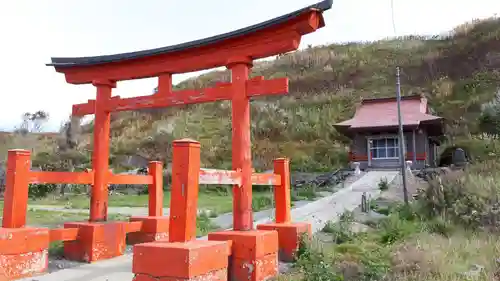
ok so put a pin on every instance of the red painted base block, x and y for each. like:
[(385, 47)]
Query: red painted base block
[(193, 260), (23, 265), (23, 252), (217, 275), (254, 254), (289, 237), (95, 241), (153, 229)]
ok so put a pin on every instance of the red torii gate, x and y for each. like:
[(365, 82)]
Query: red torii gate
[(235, 50), (165, 97)]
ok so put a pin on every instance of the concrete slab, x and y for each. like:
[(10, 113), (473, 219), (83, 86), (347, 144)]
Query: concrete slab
[(318, 213)]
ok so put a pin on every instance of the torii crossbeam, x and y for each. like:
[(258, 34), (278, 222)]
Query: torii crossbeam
[(236, 50)]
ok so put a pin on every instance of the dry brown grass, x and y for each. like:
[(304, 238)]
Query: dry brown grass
[(434, 257)]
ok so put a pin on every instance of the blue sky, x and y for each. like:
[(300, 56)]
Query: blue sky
[(34, 30)]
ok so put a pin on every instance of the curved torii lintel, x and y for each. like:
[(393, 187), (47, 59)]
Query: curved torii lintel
[(272, 37)]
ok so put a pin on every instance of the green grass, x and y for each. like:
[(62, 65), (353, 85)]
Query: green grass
[(56, 219), (397, 249), (216, 202), (204, 225)]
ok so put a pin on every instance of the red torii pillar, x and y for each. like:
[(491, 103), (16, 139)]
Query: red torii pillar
[(100, 154), (241, 144)]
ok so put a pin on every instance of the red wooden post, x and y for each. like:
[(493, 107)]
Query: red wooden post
[(16, 189), (165, 84), (241, 146), (184, 197), (282, 191), (155, 189), (100, 154)]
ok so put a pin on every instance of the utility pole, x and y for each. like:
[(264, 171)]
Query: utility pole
[(401, 137)]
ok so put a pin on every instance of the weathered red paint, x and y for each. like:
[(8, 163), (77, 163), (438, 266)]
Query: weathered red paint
[(151, 229), (100, 154), (289, 235), (213, 176), (241, 146), (28, 264), (184, 194), (155, 189), (61, 177), (16, 189), (23, 252), (265, 179), (254, 253), (63, 234), (190, 260), (222, 91), (96, 241), (282, 197)]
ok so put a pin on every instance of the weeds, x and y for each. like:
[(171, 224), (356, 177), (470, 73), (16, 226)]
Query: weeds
[(428, 239), (204, 225), (383, 184)]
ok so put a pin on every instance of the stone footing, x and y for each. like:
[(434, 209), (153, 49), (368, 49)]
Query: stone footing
[(95, 241), (254, 254), (193, 260), (153, 229), (23, 252), (289, 235)]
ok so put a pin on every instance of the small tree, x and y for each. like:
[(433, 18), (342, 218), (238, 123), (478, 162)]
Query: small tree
[(489, 120), (33, 122)]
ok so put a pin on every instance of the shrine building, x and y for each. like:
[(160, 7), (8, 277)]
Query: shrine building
[(374, 133)]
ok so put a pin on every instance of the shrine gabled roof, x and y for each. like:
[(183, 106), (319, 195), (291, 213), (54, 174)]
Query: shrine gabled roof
[(380, 113), (69, 62)]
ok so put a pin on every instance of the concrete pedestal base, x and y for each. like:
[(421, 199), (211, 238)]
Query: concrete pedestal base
[(193, 260), (254, 254), (95, 241), (289, 235), (23, 252), (153, 229)]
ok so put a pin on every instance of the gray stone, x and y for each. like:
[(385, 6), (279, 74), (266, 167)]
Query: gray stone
[(475, 271), (371, 216), (458, 157), (357, 227)]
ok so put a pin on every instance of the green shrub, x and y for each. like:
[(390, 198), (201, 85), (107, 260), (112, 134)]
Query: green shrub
[(306, 192), (204, 225), (36, 191), (261, 203), (440, 226), (383, 184), (340, 231), (371, 259), (394, 228), (313, 264), (467, 198)]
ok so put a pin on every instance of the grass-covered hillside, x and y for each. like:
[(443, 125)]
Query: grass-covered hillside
[(459, 73)]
